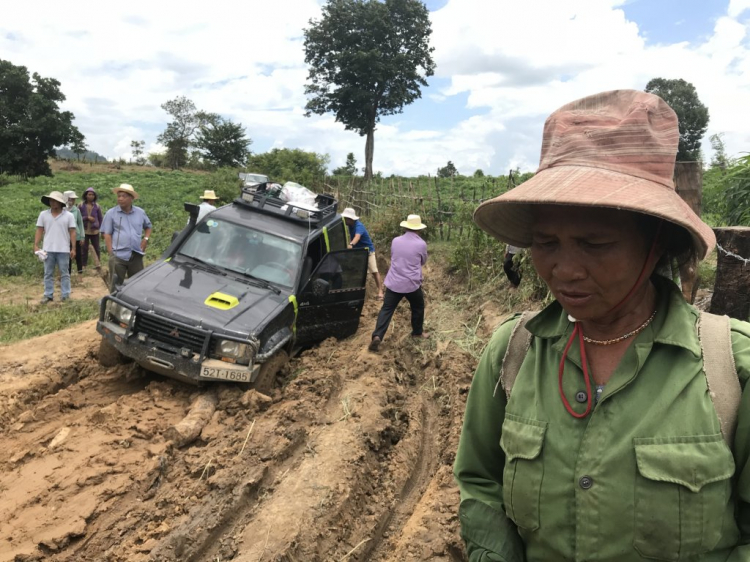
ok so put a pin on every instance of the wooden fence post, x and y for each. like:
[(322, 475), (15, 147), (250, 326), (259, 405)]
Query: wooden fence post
[(731, 295), (688, 181)]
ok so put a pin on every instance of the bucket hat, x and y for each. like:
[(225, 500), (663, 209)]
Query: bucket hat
[(350, 214), (126, 188), (413, 222), (56, 195), (614, 149), (208, 194), (70, 195)]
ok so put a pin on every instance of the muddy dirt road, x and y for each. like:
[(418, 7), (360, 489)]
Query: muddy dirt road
[(350, 459)]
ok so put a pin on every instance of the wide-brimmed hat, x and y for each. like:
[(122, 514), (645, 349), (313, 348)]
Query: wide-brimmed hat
[(56, 195), (615, 150), (70, 195), (413, 222), (208, 194), (126, 188), (350, 214)]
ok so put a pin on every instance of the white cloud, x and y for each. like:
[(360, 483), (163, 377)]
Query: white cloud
[(514, 62)]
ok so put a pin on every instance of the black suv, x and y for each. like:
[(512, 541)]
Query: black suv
[(239, 292)]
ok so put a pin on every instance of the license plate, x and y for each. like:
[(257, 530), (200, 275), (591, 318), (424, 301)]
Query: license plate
[(225, 374)]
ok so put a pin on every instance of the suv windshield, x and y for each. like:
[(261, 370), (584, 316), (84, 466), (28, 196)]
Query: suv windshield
[(244, 250), (255, 178)]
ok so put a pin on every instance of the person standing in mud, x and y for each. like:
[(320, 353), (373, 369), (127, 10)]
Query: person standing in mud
[(360, 238), (126, 230), (404, 280), (91, 213), (58, 228)]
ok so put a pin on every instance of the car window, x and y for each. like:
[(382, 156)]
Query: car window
[(244, 250), (255, 178), (337, 236)]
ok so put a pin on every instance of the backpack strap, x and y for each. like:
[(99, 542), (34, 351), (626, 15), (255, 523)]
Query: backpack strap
[(518, 346), (721, 373)]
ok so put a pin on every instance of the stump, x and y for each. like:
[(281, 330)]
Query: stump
[(688, 181), (731, 290)]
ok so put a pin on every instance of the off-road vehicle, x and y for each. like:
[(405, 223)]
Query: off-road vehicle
[(239, 292)]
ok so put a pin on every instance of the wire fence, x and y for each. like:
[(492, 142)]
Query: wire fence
[(447, 203)]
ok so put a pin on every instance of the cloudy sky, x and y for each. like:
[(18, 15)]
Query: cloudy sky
[(502, 67)]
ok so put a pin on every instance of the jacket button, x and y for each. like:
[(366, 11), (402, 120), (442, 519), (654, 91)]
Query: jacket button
[(585, 482), (581, 397)]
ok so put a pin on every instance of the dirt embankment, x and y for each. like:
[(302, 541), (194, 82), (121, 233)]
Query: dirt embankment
[(349, 460)]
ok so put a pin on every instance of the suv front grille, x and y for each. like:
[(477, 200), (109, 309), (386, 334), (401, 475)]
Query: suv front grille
[(162, 330)]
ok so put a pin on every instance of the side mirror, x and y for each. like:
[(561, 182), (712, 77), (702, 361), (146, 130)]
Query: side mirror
[(320, 287)]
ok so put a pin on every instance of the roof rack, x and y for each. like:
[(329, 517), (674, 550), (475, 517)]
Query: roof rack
[(260, 199)]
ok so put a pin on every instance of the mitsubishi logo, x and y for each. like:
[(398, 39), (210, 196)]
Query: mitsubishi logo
[(175, 333)]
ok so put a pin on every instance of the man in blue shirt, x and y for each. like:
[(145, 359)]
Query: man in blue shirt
[(360, 238), (123, 227)]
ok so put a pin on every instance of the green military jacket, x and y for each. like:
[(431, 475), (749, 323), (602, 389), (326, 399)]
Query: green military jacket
[(647, 475)]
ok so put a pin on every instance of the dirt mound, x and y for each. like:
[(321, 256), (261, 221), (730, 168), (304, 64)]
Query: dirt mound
[(350, 459)]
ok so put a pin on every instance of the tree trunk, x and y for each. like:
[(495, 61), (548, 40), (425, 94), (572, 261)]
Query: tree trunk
[(731, 295), (688, 180), (369, 151)]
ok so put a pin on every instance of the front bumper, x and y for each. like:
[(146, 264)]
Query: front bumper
[(176, 362)]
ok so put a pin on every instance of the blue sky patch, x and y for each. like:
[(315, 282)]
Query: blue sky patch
[(675, 21)]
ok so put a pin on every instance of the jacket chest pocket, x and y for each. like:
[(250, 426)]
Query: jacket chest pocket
[(682, 489), (522, 441)]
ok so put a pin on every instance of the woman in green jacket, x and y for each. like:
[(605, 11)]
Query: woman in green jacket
[(607, 444)]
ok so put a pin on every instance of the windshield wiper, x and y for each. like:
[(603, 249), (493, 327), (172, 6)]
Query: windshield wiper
[(211, 268), (258, 281)]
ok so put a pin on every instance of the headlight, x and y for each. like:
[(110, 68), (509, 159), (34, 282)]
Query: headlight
[(233, 351), (119, 313)]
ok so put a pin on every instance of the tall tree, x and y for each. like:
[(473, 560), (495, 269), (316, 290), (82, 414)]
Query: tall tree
[(691, 113), (178, 135), (447, 171), (368, 58), (31, 123), (223, 143), (348, 169), (78, 144)]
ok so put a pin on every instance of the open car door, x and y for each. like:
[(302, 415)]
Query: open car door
[(331, 302)]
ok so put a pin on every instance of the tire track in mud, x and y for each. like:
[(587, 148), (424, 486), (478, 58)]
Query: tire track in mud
[(351, 457)]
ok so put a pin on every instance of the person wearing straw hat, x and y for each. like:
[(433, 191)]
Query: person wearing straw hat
[(360, 238), (71, 207), (404, 280), (58, 229), (600, 440), (126, 230), (208, 203)]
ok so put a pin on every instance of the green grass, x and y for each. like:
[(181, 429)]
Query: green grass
[(23, 321), (162, 195)]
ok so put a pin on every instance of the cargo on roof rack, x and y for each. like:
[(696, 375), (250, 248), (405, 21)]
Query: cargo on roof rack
[(261, 200)]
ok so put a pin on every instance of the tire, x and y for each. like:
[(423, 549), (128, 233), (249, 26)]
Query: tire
[(109, 356), (268, 372)]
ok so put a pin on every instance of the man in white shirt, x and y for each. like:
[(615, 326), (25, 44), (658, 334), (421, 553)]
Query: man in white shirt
[(208, 204), (58, 228)]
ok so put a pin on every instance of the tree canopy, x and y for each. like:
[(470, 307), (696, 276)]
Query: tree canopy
[(285, 164), (178, 135), (31, 123), (222, 142), (447, 171), (348, 169), (368, 59), (691, 113)]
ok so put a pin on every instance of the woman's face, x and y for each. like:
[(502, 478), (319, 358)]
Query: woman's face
[(90, 196), (589, 258)]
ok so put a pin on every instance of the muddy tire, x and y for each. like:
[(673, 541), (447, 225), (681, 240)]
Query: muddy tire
[(268, 372), (109, 356)]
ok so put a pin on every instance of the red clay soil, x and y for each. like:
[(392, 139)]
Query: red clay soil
[(350, 459)]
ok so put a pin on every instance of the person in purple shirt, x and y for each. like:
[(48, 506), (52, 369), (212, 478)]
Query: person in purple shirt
[(123, 227), (404, 280)]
